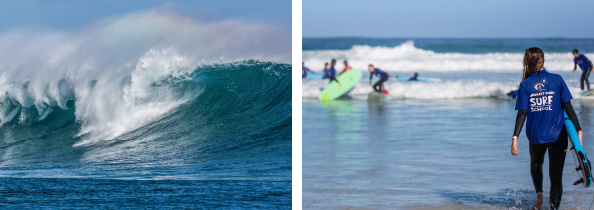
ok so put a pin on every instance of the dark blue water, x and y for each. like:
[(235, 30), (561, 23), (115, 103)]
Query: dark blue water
[(454, 45), (225, 142)]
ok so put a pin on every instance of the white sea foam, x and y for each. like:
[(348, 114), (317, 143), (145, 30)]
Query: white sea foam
[(406, 57), (447, 89)]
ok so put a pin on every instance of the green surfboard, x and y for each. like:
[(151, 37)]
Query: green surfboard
[(348, 80)]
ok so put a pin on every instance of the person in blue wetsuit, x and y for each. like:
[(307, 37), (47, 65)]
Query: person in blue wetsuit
[(586, 66), (415, 77), (542, 98), (378, 86), (304, 70), (331, 72)]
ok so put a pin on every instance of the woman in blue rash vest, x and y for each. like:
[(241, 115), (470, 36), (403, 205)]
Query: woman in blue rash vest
[(378, 86), (542, 99), (586, 66)]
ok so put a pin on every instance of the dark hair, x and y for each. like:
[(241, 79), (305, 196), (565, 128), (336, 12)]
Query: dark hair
[(345, 61), (416, 74), (533, 61), (326, 63), (370, 64), (575, 51), (333, 60)]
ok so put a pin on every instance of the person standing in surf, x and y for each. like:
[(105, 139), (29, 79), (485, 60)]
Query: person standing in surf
[(542, 98), (346, 67), (331, 72), (379, 85), (586, 66), (304, 70)]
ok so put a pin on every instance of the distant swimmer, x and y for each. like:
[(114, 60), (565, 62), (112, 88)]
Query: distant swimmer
[(304, 70), (542, 98), (330, 73), (586, 66), (415, 77), (378, 86), (346, 67)]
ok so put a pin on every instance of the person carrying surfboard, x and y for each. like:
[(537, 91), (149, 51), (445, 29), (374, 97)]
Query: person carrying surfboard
[(378, 86), (586, 66), (542, 98), (346, 67), (304, 70)]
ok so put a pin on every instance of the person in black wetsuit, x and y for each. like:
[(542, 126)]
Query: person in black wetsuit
[(304, 70), (542, 98), (331, 72), (378, 86), (586, 66)]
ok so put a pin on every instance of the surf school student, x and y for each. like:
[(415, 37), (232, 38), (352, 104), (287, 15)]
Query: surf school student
[(346, 67), (586, 66), (542, 98), (329, 73), (378, 86), (414, 78), (304, 70)]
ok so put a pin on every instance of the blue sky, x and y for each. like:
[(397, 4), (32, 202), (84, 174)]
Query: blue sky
[(72, 14), (449, 18)]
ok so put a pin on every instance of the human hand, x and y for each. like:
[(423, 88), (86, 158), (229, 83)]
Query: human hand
[(514, 147)]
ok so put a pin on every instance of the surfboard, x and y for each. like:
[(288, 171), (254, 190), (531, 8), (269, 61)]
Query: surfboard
[(587, 93), (348, 80), (385, 92), (375, 97), (583, 166), (314, 75), (420, 79)]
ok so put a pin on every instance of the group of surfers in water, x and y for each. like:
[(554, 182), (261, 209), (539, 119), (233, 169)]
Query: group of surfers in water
[(329, 73), (545, 128)]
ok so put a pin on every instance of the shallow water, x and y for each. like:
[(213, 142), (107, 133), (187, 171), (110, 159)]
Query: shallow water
[(423, 153)]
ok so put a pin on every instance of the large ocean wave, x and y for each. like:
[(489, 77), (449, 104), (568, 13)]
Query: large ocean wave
[(406, 58), (148, 88)]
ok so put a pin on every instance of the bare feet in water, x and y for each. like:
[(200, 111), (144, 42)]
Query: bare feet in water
[(538, 203)]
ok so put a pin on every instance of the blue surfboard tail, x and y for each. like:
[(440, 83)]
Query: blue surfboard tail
[(584, 164)]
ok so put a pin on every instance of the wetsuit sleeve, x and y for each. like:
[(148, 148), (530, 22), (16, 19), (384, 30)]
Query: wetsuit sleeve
[(520, 118), (571, 114)]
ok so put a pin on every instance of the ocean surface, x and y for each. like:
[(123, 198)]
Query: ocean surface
[(103, 118), (431, 145)]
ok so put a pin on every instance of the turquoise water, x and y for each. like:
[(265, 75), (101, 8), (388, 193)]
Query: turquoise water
[(225, 143), (436, 145)]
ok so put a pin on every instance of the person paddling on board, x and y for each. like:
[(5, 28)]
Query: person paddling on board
[(304, 70), (346, 67), (586, 66), (415, 77), (378, 86), (331, 72), (542, 98)]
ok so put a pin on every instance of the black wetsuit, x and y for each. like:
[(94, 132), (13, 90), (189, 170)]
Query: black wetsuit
[(383, 78), (585, 75)]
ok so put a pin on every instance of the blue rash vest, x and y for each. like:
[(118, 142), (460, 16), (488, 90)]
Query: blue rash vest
[(582, 61), (541, 95)]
